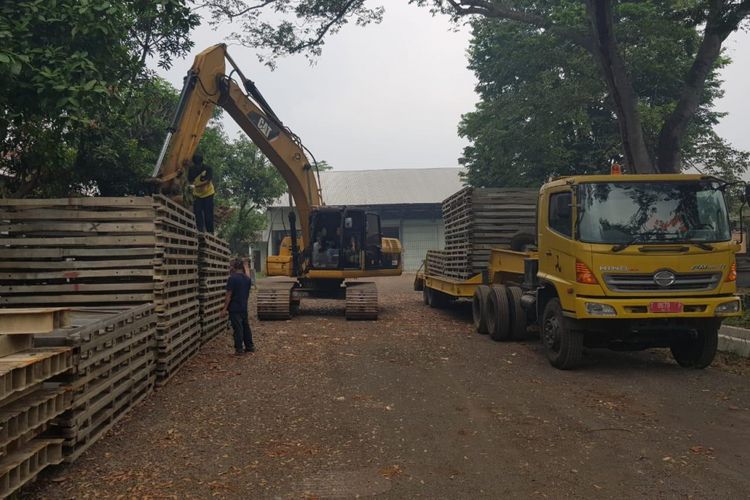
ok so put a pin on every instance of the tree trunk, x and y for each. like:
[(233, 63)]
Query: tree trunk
[(606, 53), (670, 136)]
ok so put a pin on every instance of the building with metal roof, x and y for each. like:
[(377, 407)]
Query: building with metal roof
[(408, 202)]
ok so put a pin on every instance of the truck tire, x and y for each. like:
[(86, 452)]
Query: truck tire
[(699, 351), (438, 299), (564, 346), (478, 308), (418, 284), (426, 296), (498, 313), (517, 313)]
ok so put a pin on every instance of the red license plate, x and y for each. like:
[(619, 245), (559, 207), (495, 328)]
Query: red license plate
[(665, 307)]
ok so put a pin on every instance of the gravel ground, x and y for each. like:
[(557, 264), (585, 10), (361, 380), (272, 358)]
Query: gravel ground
[(416, 405)]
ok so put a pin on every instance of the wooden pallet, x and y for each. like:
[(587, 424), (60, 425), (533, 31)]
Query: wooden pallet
[(213, 259), (115, 354), (25, 369), (107, 418), (29, 415), (97, 402), (23, 465)]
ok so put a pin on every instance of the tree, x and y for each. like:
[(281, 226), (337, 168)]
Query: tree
[(597, 26), (116, 155), (544, 111), (70, 73)]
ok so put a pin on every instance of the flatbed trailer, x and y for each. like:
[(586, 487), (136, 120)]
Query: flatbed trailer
[(496, 294)]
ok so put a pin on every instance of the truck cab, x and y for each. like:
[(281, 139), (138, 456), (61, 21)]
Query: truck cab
[(633, 261)]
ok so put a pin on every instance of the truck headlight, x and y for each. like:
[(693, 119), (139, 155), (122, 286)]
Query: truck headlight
[(728, 307), (595, 309)]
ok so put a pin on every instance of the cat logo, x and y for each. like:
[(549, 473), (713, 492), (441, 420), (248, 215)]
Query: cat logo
[(269, 130)]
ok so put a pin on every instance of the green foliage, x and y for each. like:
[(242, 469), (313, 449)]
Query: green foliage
[(117, 155), (323, 166), (541, 111), (280, 34), (74, 90), (544, 110), (246, 184)]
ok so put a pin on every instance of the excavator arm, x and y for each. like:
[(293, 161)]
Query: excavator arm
[(206, 86)]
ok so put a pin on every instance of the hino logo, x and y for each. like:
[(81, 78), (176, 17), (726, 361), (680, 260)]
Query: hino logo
[(664, 278)]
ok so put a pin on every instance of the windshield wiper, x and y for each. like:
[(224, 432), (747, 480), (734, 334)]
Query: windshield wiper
[(700, 244), (638, 238)]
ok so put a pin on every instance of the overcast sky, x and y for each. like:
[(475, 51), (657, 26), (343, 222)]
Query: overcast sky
[(391, 95)]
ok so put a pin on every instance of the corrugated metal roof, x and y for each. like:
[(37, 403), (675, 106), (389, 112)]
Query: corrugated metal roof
[(386, 187)]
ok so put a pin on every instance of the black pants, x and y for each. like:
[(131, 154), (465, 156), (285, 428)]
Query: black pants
[(242, 333), (203, 208)]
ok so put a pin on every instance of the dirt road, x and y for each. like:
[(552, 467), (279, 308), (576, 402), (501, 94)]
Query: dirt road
[(416, 405)]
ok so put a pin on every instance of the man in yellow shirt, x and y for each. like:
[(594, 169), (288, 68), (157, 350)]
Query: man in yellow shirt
[(200, 177)]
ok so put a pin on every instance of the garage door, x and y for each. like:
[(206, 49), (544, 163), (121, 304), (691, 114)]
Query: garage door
[(418, 237)]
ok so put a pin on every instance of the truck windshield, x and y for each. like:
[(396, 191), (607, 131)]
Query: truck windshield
[(626, 212)]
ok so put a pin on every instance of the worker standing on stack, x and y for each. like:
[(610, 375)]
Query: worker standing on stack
[(200, 177)]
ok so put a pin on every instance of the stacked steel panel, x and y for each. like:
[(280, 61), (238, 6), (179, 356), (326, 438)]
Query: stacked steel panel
[(477, 220), (28, 406), (106, 252), (213, 268), (178, 331), (91, 251), (114, 369)]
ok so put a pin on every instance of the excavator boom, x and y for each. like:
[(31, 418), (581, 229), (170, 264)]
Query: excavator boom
[(207, 85)]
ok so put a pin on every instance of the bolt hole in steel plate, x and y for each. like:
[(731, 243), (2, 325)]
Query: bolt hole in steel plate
[(346, 484)]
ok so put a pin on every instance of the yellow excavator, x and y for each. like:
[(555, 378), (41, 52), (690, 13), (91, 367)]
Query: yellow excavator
[(335, 244)]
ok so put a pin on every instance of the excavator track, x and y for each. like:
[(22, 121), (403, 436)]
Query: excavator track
[(361, 301), (274, 301)]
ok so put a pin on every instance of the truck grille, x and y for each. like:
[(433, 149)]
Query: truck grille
[(692, 282)]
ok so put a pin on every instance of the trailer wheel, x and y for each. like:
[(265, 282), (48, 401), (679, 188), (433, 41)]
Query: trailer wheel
[(438, 299), (478, 308), (697, 351), (426, 296), (564, 346), (498, 313), (517, 313)]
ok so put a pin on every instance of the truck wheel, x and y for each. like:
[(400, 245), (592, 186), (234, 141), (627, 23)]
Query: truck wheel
[(438, 299), (698, 351), (478, 311), (564, 346), (426, 296), (498, 313), (418, 284), (517, 313)]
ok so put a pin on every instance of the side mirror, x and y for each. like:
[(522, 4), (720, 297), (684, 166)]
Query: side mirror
[(747, 193)]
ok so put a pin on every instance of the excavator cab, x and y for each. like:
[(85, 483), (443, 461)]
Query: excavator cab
[(346, 238)]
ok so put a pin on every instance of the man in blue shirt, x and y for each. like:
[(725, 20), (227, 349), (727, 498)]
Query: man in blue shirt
[(235, 303)]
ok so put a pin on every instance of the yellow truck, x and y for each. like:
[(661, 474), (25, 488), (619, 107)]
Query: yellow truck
[(625, 262)]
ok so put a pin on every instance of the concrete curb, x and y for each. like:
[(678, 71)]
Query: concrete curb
[(735, 340)]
